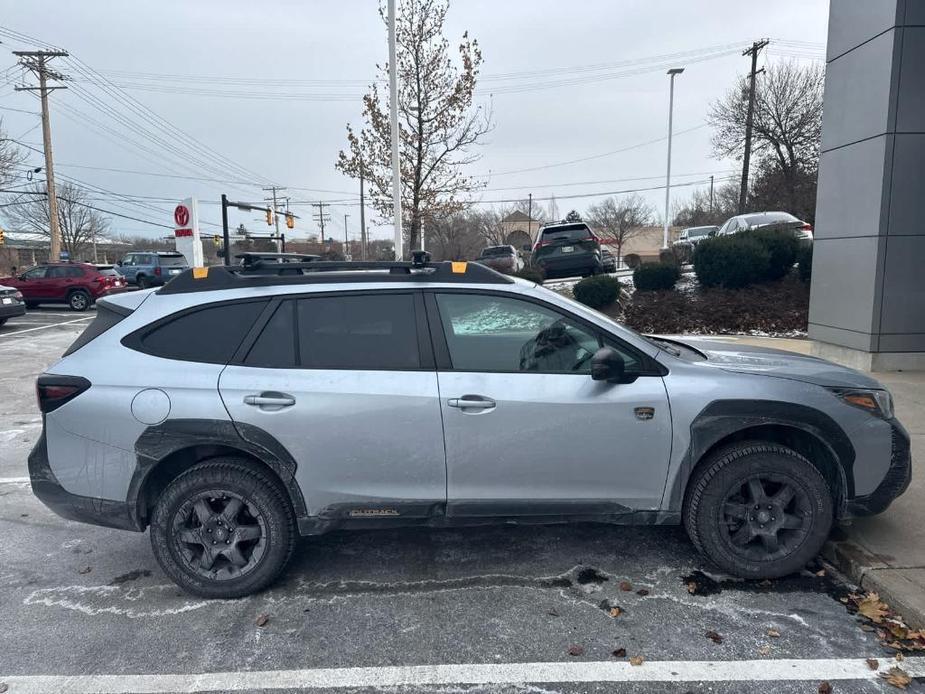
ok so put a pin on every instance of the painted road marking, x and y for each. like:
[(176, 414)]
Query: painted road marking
[(831, 669), (13, 480), (44, 327)]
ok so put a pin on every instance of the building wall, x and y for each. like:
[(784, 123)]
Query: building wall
[(867, 289)]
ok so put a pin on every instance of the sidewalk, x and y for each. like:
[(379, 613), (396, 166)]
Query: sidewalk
[(885, 553)]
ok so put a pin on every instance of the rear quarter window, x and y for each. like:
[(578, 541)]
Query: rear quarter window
[(168, 260), (210, 333)]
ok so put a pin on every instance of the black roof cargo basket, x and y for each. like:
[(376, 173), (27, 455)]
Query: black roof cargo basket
[(268, 269)]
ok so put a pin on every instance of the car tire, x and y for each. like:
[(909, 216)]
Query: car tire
[(209, 548), (2, 322), (79, 300), (142, 282), (758, 510)]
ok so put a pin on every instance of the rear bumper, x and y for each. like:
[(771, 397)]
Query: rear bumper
[(83, 509), (12, 310), (895, 481), (569, 265)]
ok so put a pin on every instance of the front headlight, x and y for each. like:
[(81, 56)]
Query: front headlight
[(878, 402)]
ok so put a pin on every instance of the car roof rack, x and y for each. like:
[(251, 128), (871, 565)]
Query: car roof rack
[(250, 258), (262, 270)]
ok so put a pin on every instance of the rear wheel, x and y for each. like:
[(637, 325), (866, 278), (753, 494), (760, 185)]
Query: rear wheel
[(223, 529), (78, 300), (142, 282), (758, 510), (2, 321)]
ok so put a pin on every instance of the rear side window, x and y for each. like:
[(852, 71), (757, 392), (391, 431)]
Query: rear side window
[(358, 332), (208, 334), (106, 318)]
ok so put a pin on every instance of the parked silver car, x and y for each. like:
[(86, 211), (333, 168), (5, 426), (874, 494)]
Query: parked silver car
[(237, 407), (768, 220), (689, 238)]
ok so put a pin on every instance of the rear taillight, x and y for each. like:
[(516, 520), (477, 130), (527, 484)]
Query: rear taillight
[(157, 270), (53, 391), (807, 227)]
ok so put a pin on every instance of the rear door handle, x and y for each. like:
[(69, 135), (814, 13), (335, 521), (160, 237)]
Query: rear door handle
[(270, 401), (472, 402)]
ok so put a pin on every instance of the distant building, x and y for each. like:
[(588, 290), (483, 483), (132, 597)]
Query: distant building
[(646, 243), (519, 229), (23, 249)]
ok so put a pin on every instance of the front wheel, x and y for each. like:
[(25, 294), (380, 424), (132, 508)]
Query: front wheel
[(758, 510), (223, 529)]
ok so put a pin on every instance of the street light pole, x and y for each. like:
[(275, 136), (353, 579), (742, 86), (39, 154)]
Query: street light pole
[(393, 120), (672, 73)]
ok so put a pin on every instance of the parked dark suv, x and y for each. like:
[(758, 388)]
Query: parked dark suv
[(78, 285), (567, 249), (152, 268)]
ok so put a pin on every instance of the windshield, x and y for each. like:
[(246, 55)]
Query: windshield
[(769, 218), (497, 250), (698, 232)]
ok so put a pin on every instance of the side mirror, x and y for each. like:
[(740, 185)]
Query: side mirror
[(607, 365), (526, 247)]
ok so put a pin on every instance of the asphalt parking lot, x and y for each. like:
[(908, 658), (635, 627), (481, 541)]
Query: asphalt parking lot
[(508, 609)]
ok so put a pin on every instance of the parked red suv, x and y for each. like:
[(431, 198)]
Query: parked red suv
[(76, 284)]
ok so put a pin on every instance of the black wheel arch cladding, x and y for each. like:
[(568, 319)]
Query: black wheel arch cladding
[(721, 419), (159, 442)]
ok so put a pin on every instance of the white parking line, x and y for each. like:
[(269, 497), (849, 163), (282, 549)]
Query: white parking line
[(44, 327), (13, 480), (831, 669)]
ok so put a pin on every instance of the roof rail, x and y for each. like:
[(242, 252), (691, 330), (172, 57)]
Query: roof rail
[(250, 258), (261, 272)]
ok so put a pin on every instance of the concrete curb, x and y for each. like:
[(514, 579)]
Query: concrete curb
[(900, 588)]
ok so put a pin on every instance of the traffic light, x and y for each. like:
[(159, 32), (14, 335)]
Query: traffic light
[(1, 236), (269, 217), (290, 220), (216, 239)]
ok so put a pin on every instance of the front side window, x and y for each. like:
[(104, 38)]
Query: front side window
[(208, 334), (35, 273), (492, 333)]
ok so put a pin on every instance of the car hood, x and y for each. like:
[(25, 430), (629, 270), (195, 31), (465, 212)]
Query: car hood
[(767, 361)]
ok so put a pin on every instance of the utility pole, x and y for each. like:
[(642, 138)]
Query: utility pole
[(346, 238), (711, 194), (274, 190), (530, 216), (749, 117), (37, 62), (363, 249), (320, 217), (393, 121)]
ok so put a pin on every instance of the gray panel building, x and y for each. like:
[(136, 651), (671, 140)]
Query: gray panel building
[(867, 305)]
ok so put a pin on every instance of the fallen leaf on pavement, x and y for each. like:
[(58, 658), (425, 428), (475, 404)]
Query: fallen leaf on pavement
[(774, 633), (626, 586), (872, 607), (619, 653), (614, 611), (824, 688), (713, 636), (3, 687), (637, 660), (552, 613), (84, 570), (691, 587), (898, 677), (873, 663), (262, 620), (642, 591), (764, 650), (820, 573), (575, 650), (900, 657)]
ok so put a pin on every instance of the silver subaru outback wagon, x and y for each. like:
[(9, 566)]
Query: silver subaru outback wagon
[(238, 407)]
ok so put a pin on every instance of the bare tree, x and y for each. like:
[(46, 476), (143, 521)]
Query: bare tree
[(437, 121), (697, 210), (787, 124), (78, 221), (10, 157), (456, 236), (617, 220)]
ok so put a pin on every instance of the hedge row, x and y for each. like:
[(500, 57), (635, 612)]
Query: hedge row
[(739, 260)]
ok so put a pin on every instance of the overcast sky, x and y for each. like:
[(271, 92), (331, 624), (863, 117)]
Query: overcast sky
[(293, 73)]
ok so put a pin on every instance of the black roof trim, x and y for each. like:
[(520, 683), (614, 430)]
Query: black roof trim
[(271, 273)]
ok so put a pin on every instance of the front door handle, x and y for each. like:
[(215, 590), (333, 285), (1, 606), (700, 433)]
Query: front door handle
[(270, 401), (472, 402)]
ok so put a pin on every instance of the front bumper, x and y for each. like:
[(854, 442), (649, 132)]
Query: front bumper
[(895, 481), (83, 509)]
